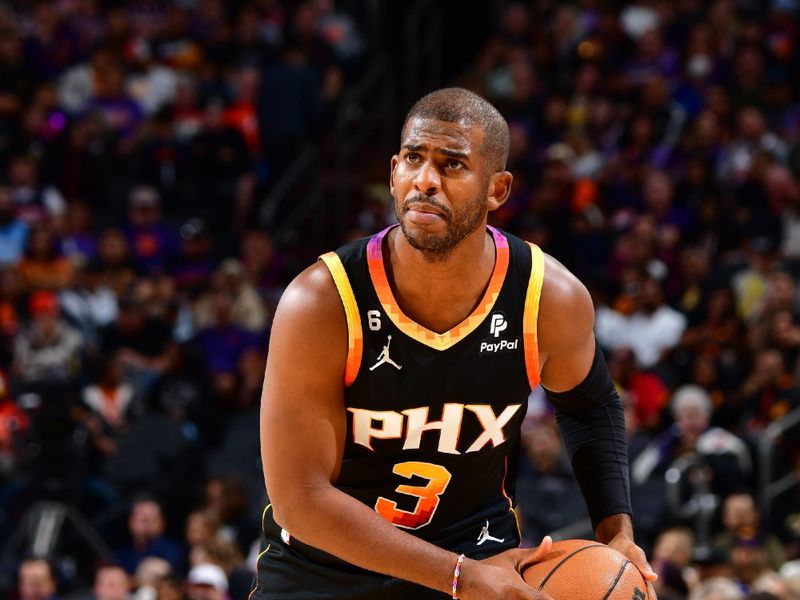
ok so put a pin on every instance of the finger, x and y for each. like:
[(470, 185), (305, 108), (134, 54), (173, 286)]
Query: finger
[(536, 555), (638, 558), (651, 592)]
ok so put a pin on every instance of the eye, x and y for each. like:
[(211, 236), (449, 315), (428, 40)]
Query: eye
[(454, 164), (412, 157)]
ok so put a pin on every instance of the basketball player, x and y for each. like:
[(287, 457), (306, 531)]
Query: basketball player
[(397, 379)]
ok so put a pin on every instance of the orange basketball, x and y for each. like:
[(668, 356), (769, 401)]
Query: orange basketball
[(584, 570)]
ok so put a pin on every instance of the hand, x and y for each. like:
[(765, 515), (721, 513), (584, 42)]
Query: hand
[(499, 577), (624, 544)]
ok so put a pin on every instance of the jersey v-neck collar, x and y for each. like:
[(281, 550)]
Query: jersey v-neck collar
[(432, 339)]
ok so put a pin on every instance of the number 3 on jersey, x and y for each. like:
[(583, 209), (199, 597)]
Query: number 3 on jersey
[(438, 478)]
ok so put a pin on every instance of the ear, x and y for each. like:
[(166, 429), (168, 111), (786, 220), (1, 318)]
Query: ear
[(499, 189), (393, 166)]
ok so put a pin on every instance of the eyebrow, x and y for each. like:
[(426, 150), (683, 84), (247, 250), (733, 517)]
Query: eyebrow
[(446, 151)]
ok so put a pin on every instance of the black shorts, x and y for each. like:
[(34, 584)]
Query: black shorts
[(284, 574), (295, 571)]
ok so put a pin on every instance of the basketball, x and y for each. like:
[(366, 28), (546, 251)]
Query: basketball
[(585, 570)]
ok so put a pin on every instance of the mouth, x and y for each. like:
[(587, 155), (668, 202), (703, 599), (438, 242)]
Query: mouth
[(426, 209), (423, 214)]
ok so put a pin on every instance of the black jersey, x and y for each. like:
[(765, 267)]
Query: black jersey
[(433, 419)]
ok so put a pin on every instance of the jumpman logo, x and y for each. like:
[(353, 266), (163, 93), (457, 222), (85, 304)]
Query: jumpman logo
[(484, 536), (383, 357)]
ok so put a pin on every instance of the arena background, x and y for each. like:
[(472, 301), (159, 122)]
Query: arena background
[(167, 168)]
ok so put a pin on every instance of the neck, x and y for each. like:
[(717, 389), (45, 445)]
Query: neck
[(442, 293), (448, 266)]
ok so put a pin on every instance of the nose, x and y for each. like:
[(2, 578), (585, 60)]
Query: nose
[(427, 180)]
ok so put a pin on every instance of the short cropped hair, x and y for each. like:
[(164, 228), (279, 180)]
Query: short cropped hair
[(717, 588), (458, 105), (691, 395)]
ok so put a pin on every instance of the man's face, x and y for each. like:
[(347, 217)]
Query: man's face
[(692, 420), (35, 581), (739, 512), (111, 583), (440, 184), (146, 522), (204, 592)]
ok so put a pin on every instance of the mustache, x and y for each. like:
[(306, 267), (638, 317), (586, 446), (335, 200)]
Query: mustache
[(426, 201)]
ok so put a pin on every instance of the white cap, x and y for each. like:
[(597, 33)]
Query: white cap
[(208, 574)]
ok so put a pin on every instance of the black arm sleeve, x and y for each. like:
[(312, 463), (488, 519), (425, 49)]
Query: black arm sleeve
[(592, 425)]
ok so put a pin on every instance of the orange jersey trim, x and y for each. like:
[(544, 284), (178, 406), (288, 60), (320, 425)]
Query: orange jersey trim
[(437, 341), (355, 337), (510, 503), (530, 319)]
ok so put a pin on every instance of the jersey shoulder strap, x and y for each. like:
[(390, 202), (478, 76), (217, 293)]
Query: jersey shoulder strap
[(529, 267), (335, 262)]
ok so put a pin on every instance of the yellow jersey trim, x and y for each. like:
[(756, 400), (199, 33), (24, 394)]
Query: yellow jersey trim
[(530, 320), (355, 337)]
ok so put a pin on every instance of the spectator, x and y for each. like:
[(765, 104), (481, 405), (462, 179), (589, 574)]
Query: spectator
[(146, 525), (37, 580), (48, 350), (263, 264), (672, 555), (768, 392), (120, 114), (42, 267), (741, 520), (193, 268), (13, 231), (644, 391), (201, 527), (13, 425), (152, 242), (78, 243), (227, 500), (89, 304), (749, 559), (219, 157), (726, 455), (111, 583), (717, 589), (247, 310), (774, 584), (207, 582), (115, 262), (34, 202), (142, 344), (108, 398), (225, 344), (149, 575), (546, 483), (651, 331)]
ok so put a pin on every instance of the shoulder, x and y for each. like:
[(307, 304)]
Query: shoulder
[(565, 305), (312, 294), (560, 285), (311, 308)]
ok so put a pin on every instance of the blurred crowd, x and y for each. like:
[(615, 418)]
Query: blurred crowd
[(137, 280), (655, 152)]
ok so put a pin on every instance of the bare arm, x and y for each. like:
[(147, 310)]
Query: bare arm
[(302, 442)]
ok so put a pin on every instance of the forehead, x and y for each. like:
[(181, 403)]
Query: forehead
[(460, 135)]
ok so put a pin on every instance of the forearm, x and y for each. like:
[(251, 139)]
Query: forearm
[(332, 521), (592, 424), (610, 527)]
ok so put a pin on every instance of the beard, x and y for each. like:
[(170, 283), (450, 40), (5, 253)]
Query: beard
[(438, 246)]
